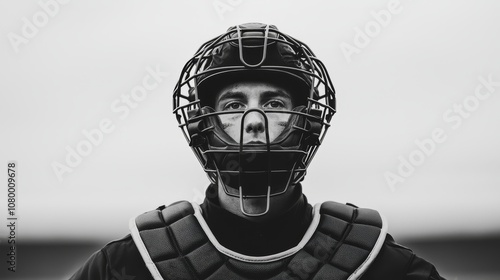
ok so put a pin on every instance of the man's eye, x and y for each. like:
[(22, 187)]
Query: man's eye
[(274, 104), (233, 106)]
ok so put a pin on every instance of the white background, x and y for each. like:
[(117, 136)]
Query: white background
[(393, 92)]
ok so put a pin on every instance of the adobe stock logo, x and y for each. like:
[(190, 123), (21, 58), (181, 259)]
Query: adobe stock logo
[(31, 27), (372, 29), (454, 117), (122, 108)]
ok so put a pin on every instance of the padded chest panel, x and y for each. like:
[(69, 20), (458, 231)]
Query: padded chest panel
[(180, 249)]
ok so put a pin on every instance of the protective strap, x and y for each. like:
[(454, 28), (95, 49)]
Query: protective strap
[(374, 252)]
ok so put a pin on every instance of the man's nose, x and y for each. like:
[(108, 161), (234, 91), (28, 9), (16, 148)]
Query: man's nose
[(254, 123)]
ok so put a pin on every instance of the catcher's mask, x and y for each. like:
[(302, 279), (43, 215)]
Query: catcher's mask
[(254, 52)]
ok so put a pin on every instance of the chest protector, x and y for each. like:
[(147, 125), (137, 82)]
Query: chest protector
[(341, 243)]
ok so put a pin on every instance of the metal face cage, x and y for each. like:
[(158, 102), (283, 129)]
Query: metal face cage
[(251, 170)]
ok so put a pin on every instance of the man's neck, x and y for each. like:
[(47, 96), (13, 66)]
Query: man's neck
[(278, 204)]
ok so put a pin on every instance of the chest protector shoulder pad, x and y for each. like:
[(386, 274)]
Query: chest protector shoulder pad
[(176, 243)]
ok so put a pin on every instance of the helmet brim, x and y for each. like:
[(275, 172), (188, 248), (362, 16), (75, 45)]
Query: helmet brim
[(211, 85)]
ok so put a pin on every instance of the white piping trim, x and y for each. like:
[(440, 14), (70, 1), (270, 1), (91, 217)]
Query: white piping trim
[(260, 259), (134, 231), (373, 254)]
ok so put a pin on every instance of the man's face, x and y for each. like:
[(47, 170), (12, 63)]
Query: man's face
[(253, 95)]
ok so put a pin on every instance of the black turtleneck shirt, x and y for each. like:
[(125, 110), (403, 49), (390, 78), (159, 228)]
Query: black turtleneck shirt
[(257, 238), (122, 258)]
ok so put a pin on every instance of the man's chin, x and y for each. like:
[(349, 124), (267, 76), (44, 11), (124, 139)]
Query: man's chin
[(255, 142)]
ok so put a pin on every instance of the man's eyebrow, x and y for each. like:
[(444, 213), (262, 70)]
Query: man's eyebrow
[(275, 93), (231, 95)]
